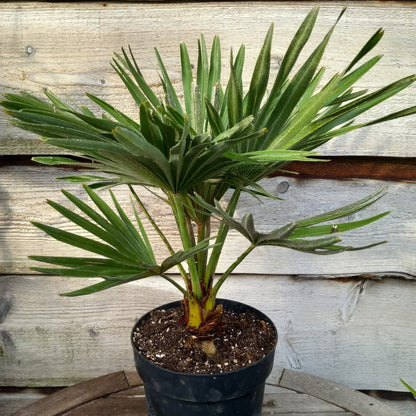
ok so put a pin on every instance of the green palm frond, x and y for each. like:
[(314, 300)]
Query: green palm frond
[(123, 250), (303, 235)]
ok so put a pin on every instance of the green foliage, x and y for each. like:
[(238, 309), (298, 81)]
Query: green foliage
[(217, 139), (409, 387)]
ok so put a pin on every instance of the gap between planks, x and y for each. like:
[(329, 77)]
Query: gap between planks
[(338, 167)]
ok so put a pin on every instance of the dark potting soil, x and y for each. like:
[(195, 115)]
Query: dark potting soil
[(239, 340)]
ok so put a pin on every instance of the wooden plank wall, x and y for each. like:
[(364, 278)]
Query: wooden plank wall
[(348, 318)]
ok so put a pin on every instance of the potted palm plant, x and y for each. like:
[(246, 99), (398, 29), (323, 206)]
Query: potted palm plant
[(198, 150)]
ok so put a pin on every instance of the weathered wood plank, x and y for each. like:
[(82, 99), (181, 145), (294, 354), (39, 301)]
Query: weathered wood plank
[(67, 47), (131, 406), (24, 189), (336, 329), (344, 397), (403, 402), (283, 403), (66, 399), (12, 400)]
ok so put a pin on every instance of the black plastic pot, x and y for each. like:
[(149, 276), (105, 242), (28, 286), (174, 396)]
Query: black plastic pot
[(234, 393)]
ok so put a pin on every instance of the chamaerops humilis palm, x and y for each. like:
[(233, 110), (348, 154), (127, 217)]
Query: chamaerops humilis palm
[(193, 147)]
